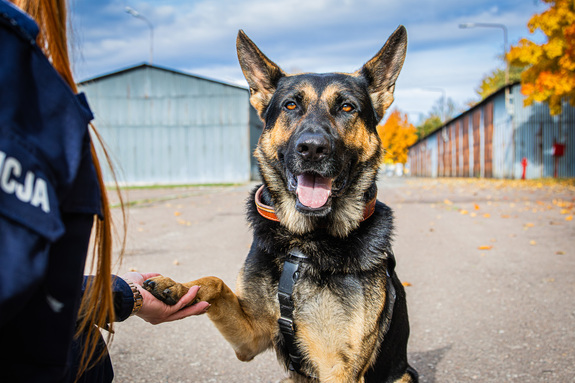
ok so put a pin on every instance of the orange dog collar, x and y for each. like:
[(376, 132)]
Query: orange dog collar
[(268, 212)]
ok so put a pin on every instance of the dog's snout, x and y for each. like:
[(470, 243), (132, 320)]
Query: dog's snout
[(313, 146)]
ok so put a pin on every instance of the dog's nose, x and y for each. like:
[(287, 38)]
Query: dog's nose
[(313, 146)]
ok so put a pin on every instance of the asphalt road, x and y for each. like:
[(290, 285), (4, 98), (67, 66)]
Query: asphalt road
[(489, 268)]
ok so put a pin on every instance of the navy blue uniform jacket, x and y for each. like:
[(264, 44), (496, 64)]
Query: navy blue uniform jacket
[(49, 196)]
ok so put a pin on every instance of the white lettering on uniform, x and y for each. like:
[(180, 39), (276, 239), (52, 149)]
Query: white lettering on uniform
[(11, 167), (34, 190), (40, 197), (24, 191)]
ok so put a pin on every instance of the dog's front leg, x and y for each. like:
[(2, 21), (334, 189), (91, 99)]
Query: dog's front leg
[(234, 321)]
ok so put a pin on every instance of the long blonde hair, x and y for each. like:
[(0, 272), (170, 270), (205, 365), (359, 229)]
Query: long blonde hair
[(97, 307)]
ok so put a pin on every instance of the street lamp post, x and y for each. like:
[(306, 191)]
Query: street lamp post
[(138, 15), (504, 28)]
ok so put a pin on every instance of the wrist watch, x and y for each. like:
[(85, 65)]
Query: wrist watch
[(137, 297)]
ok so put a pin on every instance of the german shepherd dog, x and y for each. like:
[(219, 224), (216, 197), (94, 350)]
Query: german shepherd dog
[(318, 284)]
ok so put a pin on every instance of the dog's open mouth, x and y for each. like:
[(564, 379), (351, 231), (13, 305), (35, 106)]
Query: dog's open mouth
[(312, 190)]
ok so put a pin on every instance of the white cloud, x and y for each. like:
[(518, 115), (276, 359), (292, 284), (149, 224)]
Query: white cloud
[(323, 35)]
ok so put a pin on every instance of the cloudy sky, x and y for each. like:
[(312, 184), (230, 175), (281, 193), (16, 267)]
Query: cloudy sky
[(198, 36)]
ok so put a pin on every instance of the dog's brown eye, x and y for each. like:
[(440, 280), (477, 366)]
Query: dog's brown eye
[(291, 105), (347, 108)]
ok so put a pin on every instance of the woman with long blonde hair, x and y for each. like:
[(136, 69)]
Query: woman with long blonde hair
[(52, 197)]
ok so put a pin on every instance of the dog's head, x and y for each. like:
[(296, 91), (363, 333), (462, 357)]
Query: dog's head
[(320, 151)]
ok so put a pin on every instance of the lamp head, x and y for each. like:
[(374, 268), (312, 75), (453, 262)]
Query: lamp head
[(132, 11)]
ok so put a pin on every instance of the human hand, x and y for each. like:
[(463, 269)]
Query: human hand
[(155, 311)]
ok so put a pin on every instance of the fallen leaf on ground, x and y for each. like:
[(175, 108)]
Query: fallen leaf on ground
[(532, 243), (177, 213), (476, 207), (447, 202), (560, 252), (486, 215), (485, 247), (406, 284), (462, 211), (176, 262), (569, 218)]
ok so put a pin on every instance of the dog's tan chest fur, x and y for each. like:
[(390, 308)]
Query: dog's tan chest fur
[(339, 337)]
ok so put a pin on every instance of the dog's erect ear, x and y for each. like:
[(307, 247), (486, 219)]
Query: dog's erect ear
[(382, 70), (261, 73)]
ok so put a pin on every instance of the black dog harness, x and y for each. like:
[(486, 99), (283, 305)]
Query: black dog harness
[(288, 279)]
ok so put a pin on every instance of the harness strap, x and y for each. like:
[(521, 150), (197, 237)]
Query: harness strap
[(390, 293), (288, 279), (390, 296)]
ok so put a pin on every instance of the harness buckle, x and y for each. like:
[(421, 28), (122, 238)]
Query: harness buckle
[(286, 325)]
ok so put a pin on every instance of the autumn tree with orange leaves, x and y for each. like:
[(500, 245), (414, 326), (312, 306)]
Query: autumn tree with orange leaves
[(397, 135), (550, 68)]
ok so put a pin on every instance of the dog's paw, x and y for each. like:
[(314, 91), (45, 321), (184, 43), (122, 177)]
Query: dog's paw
[(166, 289)]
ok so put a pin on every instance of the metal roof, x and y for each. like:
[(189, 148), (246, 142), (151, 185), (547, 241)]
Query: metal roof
[(146, 65)]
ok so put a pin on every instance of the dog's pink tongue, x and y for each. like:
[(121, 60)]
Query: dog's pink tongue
[(313, 190)]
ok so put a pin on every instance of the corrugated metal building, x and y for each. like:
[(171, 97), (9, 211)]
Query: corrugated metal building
[(162, 126), (487, 141)]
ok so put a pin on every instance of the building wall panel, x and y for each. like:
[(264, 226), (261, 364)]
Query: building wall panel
[(444, 152), (164, 127), (453, 149), (503, 147), (432, 155), (488, 140), (491, 140), (457, 153), (476, 142), (537, 131), (465, 146)]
